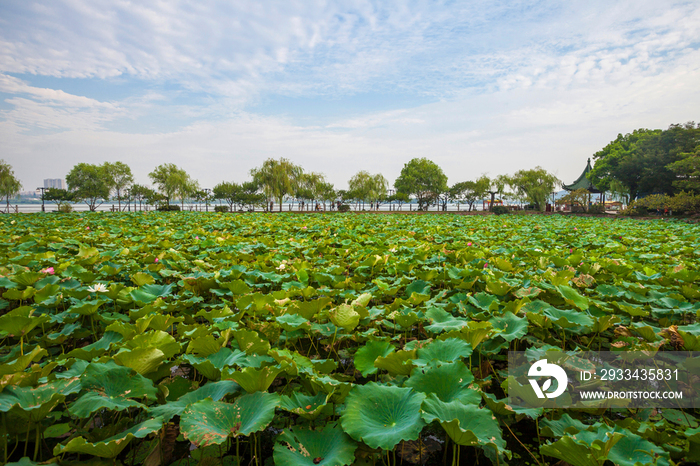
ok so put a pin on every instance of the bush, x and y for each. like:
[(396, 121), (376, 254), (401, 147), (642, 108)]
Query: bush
[(500, 210), (168, 208), (65, 208), (684, 203), (596, 209), (221, 208), (344, 208)]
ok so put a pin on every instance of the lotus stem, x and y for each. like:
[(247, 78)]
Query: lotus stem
[(36, 443), (26, 441)]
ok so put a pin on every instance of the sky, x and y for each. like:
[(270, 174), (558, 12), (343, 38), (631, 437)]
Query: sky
[(216, 87)]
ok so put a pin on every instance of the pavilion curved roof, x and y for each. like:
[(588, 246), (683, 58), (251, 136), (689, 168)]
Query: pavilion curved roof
[(582, 182)]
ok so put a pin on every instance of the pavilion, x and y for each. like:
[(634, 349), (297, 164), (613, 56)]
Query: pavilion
[(582, 182)]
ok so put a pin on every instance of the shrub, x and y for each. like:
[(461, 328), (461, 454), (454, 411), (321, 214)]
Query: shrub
[(65, 208), (221, 208), (596, 209), (344, 208), (684, 203), (168, 208), (500, 210)]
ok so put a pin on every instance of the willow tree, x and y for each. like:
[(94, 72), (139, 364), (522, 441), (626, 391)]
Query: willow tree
[(119, 177), (423, 179), (278, 178), (9, 184), (368, 187), (536, 185), (171, 180)]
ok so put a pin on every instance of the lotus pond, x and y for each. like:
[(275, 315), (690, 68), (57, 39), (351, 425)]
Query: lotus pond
[(291, 339)]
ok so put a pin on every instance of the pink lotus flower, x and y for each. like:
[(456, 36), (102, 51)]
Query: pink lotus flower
[(486, 265), (575, 228), (48, 270), (87, 228), (156, 259), (196, 237), (570, 251), (303, 228), (469, 244)]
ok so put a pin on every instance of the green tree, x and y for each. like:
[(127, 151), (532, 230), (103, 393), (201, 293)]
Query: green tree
[(229, 192), (9, 184), (423, 179), (89, 184), (367, 187), (278, 178), (466, 192), (687, 171), (58, 196), (141, 193), (492, 186), (171, 180), (536, 185), (119, 177), (642, 160), (325, 193), (251, 197)]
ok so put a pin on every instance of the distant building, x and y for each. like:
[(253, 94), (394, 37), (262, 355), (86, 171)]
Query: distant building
[(54, 183)]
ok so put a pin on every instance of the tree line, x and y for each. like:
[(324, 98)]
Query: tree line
[(276, 180), (637, 164)]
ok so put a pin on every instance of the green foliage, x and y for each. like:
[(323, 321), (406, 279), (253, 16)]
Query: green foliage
[(500, 210), (9, 184), (423, 179), (536, 185), (172, 181), (343, 208), (649, 161), (222, 208), (119, 332), (278, 178), (89, 183)]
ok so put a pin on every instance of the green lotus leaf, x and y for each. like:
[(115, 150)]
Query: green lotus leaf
[(345, 317), (22, 362), (237, 287), (398, 363), (451, 349), (250, 342), (204, 346), (113, 387), (25, 279), (368, 354), (442, 320), (148, 293), (573, 297), (511, 327), (419, 287), (564, 425), (448, 381), (307, 447), (255, 380), (466, 424), (43, 295), (141, 278), (335, 389), (212, 422), (19, 295), (485, 301), (382, 416), (498, 287), (292, 321), (568, 317), (212, 365), (500, 407), (306, 406), (34, 403), (87, 307), (112, 446), (214, 390), (142, 360), (155, 339), (21, 321), (96, 349)]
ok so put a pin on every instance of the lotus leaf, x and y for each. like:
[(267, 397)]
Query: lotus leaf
[(368, 354), (306, 447), (112, 446), (382, 416), (210, 422)]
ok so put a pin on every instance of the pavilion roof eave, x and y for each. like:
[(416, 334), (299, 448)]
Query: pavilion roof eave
[(582, 182)]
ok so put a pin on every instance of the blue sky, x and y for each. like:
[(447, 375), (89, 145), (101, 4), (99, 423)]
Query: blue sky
[(217, 87)]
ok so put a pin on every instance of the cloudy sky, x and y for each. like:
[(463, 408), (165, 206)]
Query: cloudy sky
[(219, 86)]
